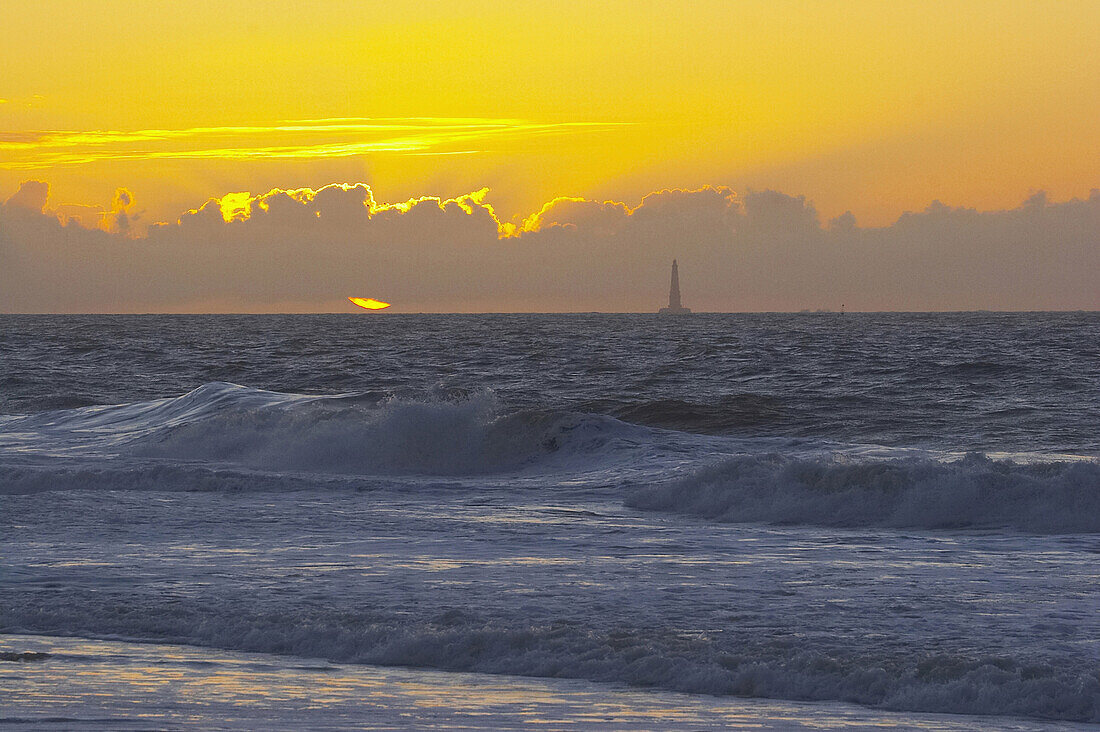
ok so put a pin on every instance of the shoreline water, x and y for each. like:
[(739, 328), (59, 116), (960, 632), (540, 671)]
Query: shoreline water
[(89, 684)]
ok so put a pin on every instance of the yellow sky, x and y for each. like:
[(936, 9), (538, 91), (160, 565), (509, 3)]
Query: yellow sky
[(872, 106)]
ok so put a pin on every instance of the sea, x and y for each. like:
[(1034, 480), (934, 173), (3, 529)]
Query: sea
[(576, 521)]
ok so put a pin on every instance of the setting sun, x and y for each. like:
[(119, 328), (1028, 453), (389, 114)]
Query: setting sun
[(369, 303)]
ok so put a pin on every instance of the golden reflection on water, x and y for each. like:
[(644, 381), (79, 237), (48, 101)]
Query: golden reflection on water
[(166, 686)]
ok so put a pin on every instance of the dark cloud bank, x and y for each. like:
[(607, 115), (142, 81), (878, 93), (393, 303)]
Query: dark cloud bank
[(762, 250)]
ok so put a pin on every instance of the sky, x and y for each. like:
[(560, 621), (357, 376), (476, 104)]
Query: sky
[(903, 155)]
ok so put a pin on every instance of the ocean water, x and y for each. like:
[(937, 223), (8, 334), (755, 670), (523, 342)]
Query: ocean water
[(897, 511)]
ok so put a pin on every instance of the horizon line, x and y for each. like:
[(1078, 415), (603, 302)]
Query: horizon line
[(390, 313)]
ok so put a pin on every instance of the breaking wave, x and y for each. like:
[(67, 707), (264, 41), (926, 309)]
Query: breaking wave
[(448, 437), (234, 436), (970, 493)]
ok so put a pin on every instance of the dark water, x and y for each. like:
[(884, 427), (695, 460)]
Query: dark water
[(958, 381), (895, 510)]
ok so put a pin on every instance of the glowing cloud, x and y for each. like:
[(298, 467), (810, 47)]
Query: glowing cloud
[(321, 138)]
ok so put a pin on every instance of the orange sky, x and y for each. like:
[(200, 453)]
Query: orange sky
[(863, 105)]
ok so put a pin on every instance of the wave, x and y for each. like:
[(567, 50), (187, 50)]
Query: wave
[(113, 475), (975, 368), (974, 492), (233, 438), (466, 436), (220, 432), (95, 429), (721, 663), (24, 656), (717, 416)]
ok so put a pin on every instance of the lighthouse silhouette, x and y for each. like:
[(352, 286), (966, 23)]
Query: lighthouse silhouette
[(674, 305)]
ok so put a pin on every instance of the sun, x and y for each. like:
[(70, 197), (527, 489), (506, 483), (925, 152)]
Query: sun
[(369, 303)]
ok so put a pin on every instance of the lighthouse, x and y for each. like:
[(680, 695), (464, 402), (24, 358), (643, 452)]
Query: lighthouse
[(674, 305)]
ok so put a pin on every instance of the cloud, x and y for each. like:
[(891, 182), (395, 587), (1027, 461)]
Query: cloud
[(85, 215), (758, 250), (35, 100), (32, 195), (119, 218), (123, 199), (309, 139)]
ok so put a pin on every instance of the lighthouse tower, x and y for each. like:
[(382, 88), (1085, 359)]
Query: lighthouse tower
[(674, 305)]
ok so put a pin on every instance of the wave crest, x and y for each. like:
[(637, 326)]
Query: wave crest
[(463, 435), (973, 492)]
